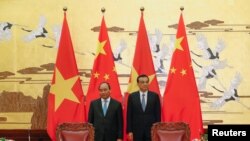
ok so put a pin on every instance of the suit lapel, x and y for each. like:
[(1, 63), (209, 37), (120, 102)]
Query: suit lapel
[(138, 100), (100, 106), (110, 103), (149, 100)]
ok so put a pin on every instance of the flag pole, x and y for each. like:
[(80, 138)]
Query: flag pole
[(65, 10)]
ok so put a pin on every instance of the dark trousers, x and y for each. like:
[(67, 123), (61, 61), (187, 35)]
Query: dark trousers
[(142, 138)]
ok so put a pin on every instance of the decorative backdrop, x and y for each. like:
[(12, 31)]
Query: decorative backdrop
[(218, 36)]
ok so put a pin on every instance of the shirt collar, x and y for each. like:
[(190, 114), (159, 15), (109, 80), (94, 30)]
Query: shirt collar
[(146, 92), (108, 99)]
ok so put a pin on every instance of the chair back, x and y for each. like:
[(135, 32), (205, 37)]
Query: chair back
[(75, 132), (170, 131)]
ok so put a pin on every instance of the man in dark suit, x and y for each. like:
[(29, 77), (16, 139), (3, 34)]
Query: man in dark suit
[(106, 116), (143, 110)]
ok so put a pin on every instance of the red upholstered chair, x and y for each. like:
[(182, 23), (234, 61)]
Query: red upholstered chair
[(170, 131), (75, 132)]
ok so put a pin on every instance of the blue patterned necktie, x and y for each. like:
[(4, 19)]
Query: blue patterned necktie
[(105, 106), (143, 103)]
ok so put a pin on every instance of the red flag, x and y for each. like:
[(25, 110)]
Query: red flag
[(65, 100), (181, 99), (142, 64), (103, 69)]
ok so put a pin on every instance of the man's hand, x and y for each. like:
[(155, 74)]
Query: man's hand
[(119, 140), (130, 136)]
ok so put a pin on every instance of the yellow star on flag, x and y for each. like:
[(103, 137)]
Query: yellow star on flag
[(183, 72), (191, 65), (106, 76), (151, 77), (172, 70), (178, 43), (100, 48), (132, 86), (96, 75), (114, 69), (62, 89)]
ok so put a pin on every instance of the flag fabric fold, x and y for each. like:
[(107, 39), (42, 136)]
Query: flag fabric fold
[(181, 99), (103, 69), (142, 64), (65, 99)]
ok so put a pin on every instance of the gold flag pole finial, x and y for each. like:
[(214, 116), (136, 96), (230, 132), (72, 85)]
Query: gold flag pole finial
[(103, 10), (65, 9), (142, 9), (182, 8)]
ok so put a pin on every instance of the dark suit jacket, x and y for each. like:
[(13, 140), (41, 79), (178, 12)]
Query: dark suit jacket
[(138, 121), (110, 126)]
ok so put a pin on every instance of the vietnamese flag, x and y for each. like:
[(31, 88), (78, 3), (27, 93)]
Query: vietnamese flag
[(65, 99), (181, 99), (142, 64), (103, 69)]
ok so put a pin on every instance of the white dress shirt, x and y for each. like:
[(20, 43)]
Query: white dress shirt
[(146, 96)]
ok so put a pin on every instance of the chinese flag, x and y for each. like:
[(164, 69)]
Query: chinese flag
[(142, 64), (181, 99), (65, 100), (103, 69)]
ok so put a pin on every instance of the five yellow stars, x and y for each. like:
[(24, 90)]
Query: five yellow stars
[(179, 47), (62, 89)]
